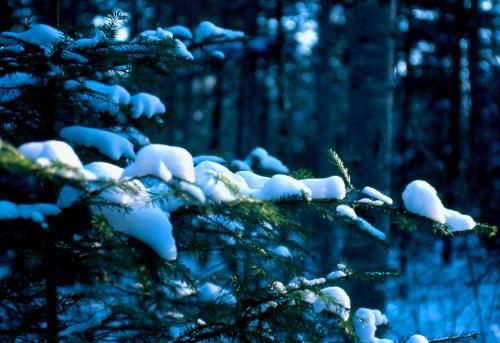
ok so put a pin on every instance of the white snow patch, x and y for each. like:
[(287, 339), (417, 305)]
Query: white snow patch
[(39, 34), (260, 158), (365, 324), (146, 104), (240, 165), (108, 143), (332, 187), (210, 176), (34, 212), (156, 35), (207, 30), (212, 158), (253, 180), (372, 192), (417, 339), (85, 43), (108, 98), (94, 321), (337, 274), (282, 251), (421, 198), (182, 51), (282, 186), (458, 221), (180, 31), (366, 226), (162, 161), (334, 300), (217, 54), (371, 202), (346, 211)]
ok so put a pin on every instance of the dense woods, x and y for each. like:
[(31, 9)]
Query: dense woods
[(402, 90)]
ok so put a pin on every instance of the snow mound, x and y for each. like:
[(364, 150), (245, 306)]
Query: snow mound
[(44, 153), (328, 188), (182, 51), (39, 34), (260, 158), (346, 211), (108, 98), (366, 226), (180, 31), (10, 84), (210, 292), (212, 178), (334, 300), (458, 221), (85, 43), (35, 212), (212, 158), (162, 161), (156, 35), (207, 30), (108, 143), (282, 251), (337, 274), (374, 193), (371, 202), (253, 180), (417, 339), (146, 223), (282, 186), (421, 198), (146, 104), (365, 324)]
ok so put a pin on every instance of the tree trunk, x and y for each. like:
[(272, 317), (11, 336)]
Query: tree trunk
[(371, 63)]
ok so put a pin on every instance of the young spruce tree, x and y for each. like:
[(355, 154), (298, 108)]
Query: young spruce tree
[(141, 242)]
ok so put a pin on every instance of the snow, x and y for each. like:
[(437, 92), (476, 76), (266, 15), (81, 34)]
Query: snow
[(212, 158), (146, 223), (39, 34), (372, 192), (328, 188), (365, 324), (458, 221), (334, 300), (85, 43), (282, 186), (180, 31), (217, 54), (193, 190), (210, 177), (346, 211), (210, 292), (109, 144), (43, 153), (182, 51), (10, 84), (253, 180), (282, 251), (34, 212), (366, 226), (240, 165), (207, 30), (146, 104), (260, 158), (417, 339), (337, 274), (108, 99), (162, 161), (371, 202), (156, 35), (421, 198)]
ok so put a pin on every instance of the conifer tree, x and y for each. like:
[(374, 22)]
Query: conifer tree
[(133, 241)]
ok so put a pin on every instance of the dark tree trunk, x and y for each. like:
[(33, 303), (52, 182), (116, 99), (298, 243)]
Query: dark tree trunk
[(371, 63)]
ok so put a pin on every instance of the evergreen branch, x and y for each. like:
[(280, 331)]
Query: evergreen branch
[(337, 162)]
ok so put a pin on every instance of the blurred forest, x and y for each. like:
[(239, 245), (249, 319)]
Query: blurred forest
[(402, 90)]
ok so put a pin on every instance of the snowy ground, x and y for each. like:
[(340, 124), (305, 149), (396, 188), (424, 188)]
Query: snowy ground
[(442, 299)]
